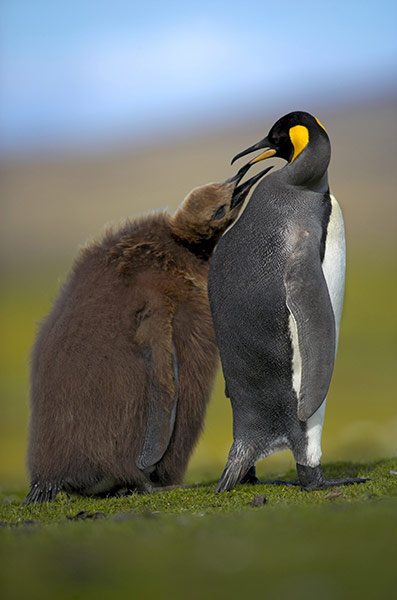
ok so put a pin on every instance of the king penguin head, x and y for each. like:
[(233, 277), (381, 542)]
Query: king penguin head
[(301, 140)]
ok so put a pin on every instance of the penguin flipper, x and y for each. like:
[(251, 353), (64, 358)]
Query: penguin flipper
[(310, 307), (162, 397)]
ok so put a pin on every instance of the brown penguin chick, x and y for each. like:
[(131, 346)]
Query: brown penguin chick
[(123, 365)]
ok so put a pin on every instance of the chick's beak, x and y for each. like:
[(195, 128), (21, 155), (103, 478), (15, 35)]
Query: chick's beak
[(269, 151), (241, 191)]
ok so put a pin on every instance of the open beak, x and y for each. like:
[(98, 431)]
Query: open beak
[(239, 175), (258, 146), (241, 191)]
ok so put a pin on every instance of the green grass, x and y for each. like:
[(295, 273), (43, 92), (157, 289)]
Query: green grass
[(191, 542), (200, 499)]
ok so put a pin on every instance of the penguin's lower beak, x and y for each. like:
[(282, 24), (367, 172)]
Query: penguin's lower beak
[(239, 175), (269, 151), (241, 191)]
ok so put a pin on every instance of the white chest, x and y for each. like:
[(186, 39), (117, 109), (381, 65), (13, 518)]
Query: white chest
[(334, 263)]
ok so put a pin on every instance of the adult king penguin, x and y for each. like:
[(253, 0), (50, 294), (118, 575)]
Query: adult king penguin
[(276, 289)]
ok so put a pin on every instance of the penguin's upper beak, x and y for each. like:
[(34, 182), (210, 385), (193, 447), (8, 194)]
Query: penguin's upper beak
[(241, 191), (269, 151)]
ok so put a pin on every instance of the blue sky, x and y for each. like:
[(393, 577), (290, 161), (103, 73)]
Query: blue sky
[(78, 71)]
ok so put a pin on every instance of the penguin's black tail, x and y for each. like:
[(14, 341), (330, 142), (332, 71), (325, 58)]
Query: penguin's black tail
[(42, 492), (241, 458)]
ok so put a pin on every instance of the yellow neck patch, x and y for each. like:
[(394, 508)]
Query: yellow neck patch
[(321, 125), (299, 136)]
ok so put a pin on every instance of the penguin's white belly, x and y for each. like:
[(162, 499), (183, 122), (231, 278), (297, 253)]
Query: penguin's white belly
[(334, 265)]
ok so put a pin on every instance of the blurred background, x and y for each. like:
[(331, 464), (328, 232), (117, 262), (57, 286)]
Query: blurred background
[(108, 110)]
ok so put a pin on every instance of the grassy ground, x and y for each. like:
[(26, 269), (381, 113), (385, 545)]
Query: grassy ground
[(190, 542)]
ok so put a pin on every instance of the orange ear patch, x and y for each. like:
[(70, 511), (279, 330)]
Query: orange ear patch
[(299, 136)]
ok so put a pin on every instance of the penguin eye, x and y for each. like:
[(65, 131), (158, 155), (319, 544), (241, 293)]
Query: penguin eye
[(219, 212), (276, 139)]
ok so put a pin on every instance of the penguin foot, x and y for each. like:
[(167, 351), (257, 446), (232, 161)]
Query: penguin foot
[(327, 483), (312, 478), (252, 479)]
